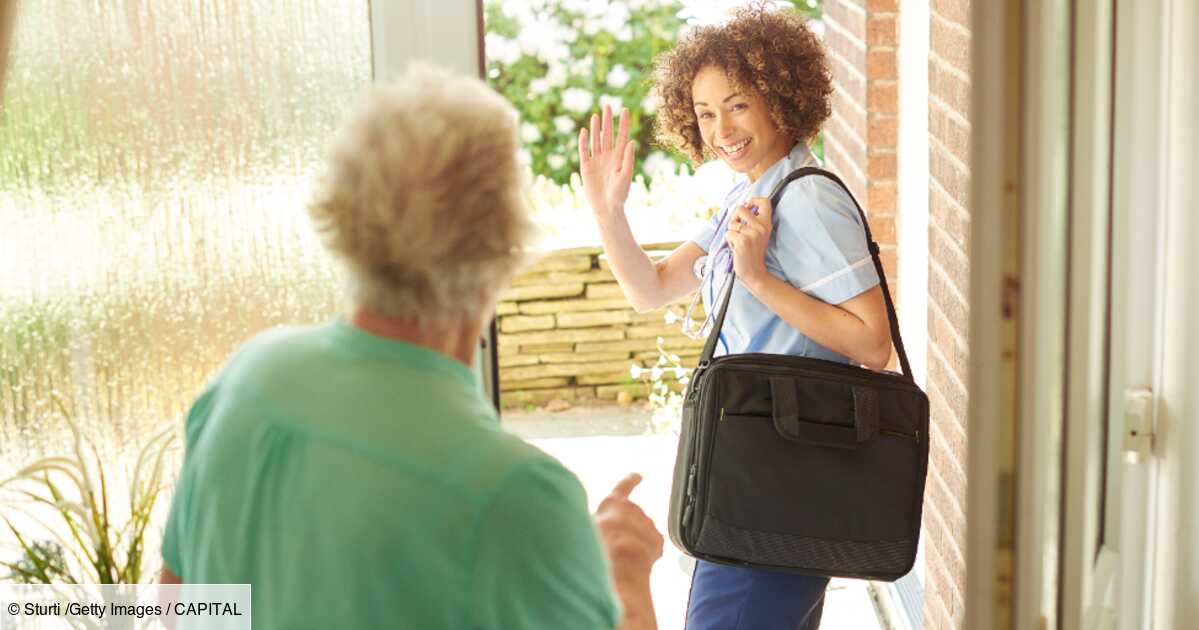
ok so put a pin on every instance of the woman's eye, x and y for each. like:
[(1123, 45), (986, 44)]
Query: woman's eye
[(705, 115), (740, 106)]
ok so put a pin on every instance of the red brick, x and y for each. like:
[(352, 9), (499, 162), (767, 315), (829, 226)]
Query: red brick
[(881, 198), (949, 175), (950, 130), (880, 64), (956, 11), (853, 114), (948, 87), (950, 42), (955, 262), (845, 44), (848, 81), (882, 6), (883, 131), (890, 262), (853, 144), (881, 166), (882, 96), (947, 214), (843, 14), (882, 30)]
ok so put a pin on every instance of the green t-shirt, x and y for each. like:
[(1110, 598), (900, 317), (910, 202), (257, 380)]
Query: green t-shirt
[(361, 482)]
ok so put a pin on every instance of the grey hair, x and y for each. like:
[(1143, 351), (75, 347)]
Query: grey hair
[(423, 198)]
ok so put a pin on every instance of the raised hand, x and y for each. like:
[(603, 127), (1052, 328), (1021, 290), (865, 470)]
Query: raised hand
[(606, 164)]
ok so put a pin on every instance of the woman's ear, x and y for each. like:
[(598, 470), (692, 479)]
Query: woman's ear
[(8, 19)]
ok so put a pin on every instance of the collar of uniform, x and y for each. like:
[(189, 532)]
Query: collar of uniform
[(799, 156)]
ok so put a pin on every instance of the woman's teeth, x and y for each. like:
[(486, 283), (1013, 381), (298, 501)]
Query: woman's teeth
[(735, 149)]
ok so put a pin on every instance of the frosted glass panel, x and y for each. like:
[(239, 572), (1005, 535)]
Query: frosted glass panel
[(155, 158)]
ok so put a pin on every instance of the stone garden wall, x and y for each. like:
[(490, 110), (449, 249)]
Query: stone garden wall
[(566, 332)]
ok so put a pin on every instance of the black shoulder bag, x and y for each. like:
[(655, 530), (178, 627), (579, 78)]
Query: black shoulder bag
[(799, 464)]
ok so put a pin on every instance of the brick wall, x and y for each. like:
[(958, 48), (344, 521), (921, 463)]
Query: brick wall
[(948, 312), (566, 332), (861, 137)]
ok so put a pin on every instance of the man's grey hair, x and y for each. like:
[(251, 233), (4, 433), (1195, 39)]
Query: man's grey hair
[(423, 198)]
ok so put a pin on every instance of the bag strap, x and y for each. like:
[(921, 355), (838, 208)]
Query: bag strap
[(892, 319)]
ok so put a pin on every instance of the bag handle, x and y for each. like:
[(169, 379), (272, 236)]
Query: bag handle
[(892, 319), (787, 422)]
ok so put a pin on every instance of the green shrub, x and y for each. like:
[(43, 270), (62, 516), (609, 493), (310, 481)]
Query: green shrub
[(558, 61)]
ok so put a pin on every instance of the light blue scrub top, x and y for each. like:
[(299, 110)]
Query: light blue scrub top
[(818, 246)]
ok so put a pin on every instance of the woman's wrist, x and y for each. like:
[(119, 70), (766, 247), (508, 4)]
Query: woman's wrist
[(757, 281)]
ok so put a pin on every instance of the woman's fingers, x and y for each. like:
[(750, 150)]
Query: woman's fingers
[(626, 165), (584, 149), (606, 130), (623, 135), (595, 134)]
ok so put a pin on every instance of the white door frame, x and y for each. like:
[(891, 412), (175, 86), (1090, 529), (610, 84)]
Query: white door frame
[(1176, 571)]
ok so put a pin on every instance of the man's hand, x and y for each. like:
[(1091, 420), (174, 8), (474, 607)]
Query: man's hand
[(628, 535), (633, 545), (606, 166)]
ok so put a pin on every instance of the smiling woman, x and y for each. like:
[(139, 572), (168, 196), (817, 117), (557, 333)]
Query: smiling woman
[(751, 92)]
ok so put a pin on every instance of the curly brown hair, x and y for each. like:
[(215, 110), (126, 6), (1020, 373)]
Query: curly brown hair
[(770, 52)]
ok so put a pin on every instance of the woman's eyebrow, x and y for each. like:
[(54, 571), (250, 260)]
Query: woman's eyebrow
[(726, 99)]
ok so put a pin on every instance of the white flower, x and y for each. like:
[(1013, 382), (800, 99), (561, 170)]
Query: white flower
[(671, 317), (501, 49), (679, 372), (649, 104), (556, 161), (618, 77), (577, 100), (539, 86), (564, 124), (556, 73), (655, 373), (616, 18), (611, 101), (659, 339), (655, 163), (582, 67), (529, 133), (635, 371), (524, 158)]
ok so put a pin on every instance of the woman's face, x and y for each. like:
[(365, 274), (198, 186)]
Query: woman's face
[(736, 126)]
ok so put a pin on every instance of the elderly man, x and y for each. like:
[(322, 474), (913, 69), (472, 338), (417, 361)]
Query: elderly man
[(352, 472)]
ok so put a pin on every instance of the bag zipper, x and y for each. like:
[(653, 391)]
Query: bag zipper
[(900, 434)]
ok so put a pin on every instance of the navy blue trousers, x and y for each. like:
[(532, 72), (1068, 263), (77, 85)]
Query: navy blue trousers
[(736, 598)]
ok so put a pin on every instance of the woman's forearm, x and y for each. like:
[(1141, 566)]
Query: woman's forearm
[(637, 275), (831, 326)]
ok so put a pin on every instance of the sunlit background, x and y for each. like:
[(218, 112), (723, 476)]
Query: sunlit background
[(155, 161)]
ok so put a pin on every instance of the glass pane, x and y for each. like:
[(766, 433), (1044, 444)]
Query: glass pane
[(155, 162)]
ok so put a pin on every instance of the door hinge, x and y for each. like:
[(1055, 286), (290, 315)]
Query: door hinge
[(1138, 424)]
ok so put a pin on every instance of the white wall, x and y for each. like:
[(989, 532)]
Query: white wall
[(913, 182)]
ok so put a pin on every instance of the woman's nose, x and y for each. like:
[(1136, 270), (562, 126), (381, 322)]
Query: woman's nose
[(724, 125)]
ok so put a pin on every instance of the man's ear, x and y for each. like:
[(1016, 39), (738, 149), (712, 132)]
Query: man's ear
[(8, 19)]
